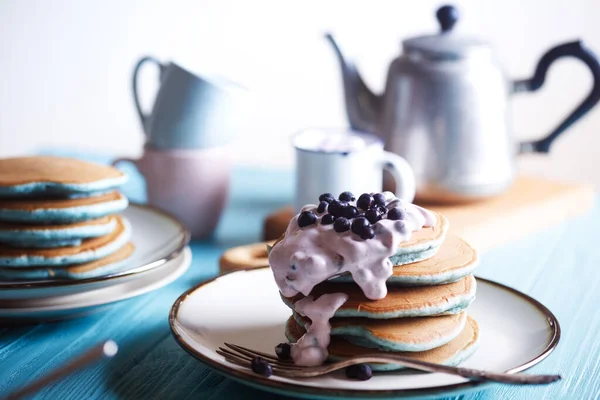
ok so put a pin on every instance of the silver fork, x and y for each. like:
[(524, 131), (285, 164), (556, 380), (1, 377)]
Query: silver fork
[(243, 356)]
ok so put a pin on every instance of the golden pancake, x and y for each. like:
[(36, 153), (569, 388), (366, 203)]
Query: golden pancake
[(89, 250), (400, 301), (455, 259), (120, 255), (399, 334), (43, 204), (24, 170), (428, 234), (27, 227), (100, 267), (452, 353), (86, 245)]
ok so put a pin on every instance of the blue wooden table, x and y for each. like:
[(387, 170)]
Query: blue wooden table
[(560, 267)]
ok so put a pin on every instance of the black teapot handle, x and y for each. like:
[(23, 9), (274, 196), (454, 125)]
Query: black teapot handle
[(573, 49)]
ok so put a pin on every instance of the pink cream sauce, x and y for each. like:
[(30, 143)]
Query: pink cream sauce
[(308, 256)]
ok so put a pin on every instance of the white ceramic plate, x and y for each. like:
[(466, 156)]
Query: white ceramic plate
[(157, 237), (77, 304), (244, 308)]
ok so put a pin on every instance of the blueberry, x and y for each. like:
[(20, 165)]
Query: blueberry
[(322, 207), (365, 201), (261, 366), (283, 351), (373, 215), (367, 233), (328, 197), (347, 196), (359, 224), (341, 225), (350, 212), (379, 199), (396, 214), (327, 219), (336, 208), (306, 218), (362, 372)]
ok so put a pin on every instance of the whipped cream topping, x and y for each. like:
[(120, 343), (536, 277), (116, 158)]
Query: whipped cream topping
[(311, 349), (308, 256), (315, 253)]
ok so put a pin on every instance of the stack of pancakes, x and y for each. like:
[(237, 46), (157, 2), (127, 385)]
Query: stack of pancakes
[(58, 219), (424, 315)]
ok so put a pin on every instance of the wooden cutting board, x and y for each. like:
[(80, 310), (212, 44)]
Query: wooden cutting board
[(531, 205)]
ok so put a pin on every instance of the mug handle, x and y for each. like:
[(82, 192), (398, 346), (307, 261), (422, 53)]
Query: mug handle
[(402, 173), (136, 99), (573, 49)]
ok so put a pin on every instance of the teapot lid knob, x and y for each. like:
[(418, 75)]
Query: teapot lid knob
[(447, 16)]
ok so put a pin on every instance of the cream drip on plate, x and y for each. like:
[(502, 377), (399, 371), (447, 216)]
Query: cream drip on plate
[(311, 348)]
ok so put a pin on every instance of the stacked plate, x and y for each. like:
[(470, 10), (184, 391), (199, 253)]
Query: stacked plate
[(70, 243)]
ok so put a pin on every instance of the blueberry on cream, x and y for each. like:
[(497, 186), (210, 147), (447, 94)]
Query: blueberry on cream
[(341, 225), (336, 208), (373, 215), (327, 219), (359, 224), (346, 196), (322, 207), (327, 197), (396, 214), (306, 218), (379, 199), (318, 246), (365, 201), (350, 212)]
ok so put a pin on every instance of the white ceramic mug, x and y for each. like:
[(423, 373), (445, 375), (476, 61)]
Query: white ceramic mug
[(192, 185), (190, 111), (334, 161)]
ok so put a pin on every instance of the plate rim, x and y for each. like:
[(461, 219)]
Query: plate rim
[(256, 380), (49, 314), (186, 236), (182, 258)]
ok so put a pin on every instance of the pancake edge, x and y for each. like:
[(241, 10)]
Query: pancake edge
[(42, 244), (62, 188), (399, 259), (461, 356), (38, 233), (363, 337), (63, 272), (435, 279), (66, 215), (455, 306), (79, 258)]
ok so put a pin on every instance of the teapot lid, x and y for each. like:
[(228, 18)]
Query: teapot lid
[(446, 45)]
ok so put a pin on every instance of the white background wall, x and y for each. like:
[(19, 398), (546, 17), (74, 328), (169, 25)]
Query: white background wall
[(65, 67)]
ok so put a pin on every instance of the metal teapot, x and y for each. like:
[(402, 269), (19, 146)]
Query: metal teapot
[(445, 110)]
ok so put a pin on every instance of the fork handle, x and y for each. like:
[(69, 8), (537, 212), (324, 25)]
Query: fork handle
[(107, 349), (470, 373)]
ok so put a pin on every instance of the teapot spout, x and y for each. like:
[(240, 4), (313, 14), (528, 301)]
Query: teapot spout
[(363, 107)]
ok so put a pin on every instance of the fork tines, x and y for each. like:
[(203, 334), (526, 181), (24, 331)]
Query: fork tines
[(242, 356)]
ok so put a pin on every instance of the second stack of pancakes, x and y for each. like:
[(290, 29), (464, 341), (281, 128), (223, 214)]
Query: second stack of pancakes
[(59, 218), (425, 313)]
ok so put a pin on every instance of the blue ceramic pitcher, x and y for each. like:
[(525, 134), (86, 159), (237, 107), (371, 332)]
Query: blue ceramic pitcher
[(190, 112)]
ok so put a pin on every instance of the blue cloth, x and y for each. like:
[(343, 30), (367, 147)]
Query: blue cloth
[(558, 266)]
